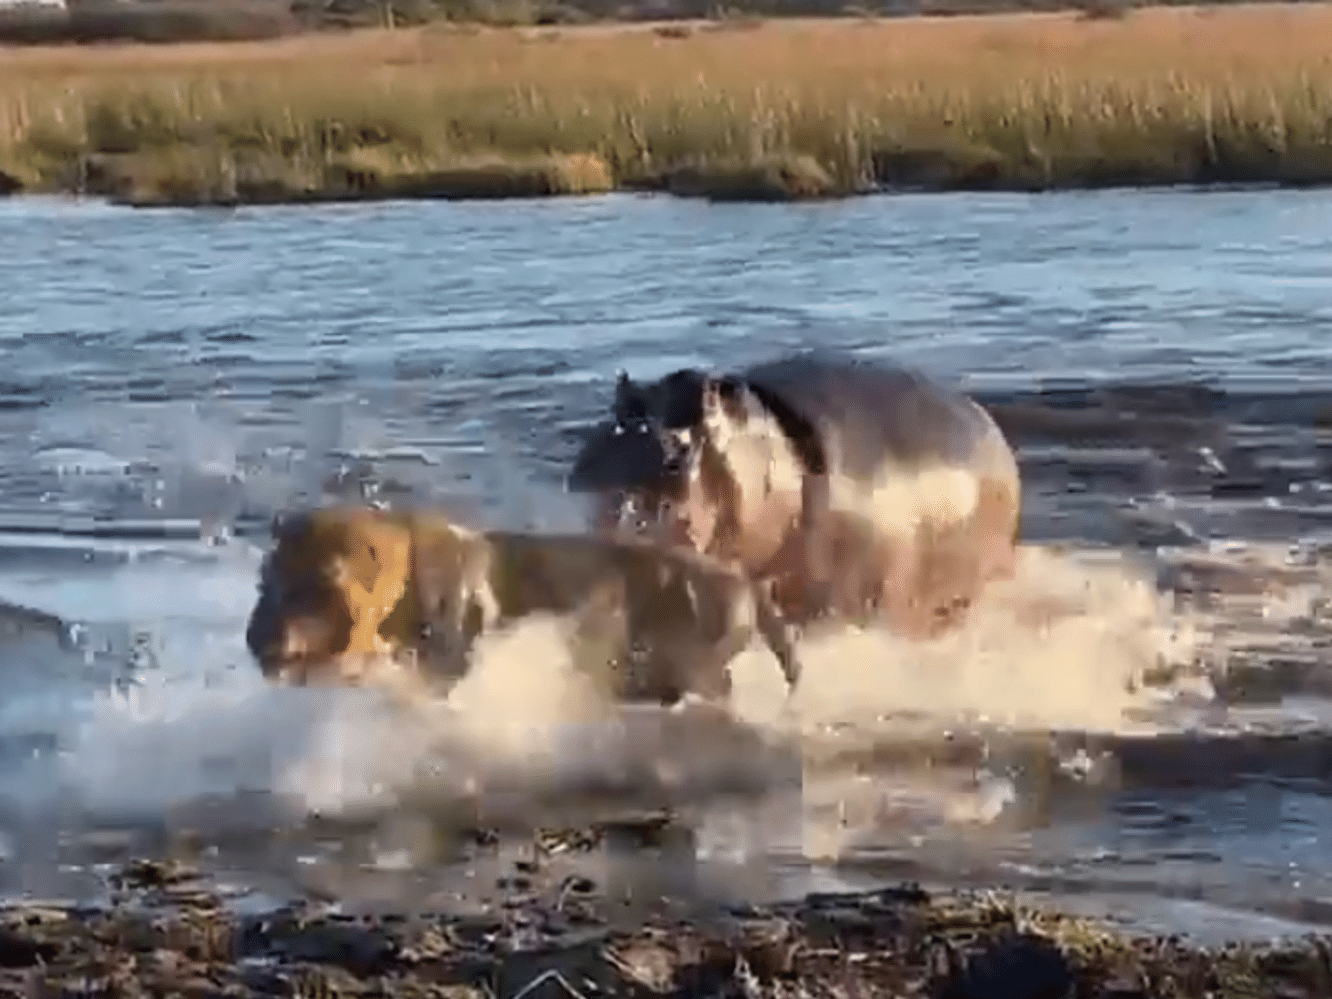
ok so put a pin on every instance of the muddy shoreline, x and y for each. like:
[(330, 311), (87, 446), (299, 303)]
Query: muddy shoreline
[(162, 933)]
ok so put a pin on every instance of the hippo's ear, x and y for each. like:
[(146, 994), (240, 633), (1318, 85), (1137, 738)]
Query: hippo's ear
[(629, 402)]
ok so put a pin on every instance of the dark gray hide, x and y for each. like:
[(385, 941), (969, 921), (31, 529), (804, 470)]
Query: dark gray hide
[(857, 414), (861, 414), (617, 456)]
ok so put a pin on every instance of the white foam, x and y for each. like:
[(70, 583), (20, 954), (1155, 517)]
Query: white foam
[(1059, 647)]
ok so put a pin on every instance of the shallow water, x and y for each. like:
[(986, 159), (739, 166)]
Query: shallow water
[(172, 377)]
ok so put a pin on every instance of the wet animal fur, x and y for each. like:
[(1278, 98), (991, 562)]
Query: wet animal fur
[(893, 498), (649, 623), (326, 590)]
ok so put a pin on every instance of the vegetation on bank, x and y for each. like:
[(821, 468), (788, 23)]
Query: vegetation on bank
[(46, 22), (729, 109), (168, 936)]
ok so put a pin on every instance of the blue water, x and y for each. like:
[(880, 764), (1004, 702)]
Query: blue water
[(198, 369)]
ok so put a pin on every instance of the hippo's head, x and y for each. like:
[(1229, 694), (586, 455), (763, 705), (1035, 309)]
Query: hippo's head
[(672, 460), (641, 463)]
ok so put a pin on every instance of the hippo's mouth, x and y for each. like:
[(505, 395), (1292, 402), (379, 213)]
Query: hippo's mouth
[(647, 512), (622, 456), (639, 469)]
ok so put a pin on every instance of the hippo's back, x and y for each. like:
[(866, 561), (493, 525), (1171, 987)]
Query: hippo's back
[(866, 414)]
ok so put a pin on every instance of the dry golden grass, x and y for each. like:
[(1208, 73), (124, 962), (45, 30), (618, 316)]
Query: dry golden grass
[(781, 109)]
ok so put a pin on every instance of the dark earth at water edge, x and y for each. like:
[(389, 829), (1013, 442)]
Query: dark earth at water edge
[(163, 935), (780, 178)]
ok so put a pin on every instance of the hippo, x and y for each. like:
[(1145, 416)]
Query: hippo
[(855, 489)]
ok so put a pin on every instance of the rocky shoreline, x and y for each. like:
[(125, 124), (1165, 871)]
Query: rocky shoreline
[(163, 933)]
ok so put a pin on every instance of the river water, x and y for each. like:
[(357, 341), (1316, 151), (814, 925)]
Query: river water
[(1138, 724)]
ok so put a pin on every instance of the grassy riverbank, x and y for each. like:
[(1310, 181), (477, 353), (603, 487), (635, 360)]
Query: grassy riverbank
[(728, 109), (167, 937)]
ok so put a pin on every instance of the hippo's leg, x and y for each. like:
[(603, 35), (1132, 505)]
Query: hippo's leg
[(816, 542), (989, 546), (600, 640), (956, 560), (688, 670), (858, 559), (996, 529), (946, 577), (607, 510), (744, 608), (910, 570), (877, 572), (852, 578), (807, 576), (707, 672), (773, 627), (647, 674), (786, 595)]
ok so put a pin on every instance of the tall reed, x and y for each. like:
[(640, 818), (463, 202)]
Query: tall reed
[(744, 110)]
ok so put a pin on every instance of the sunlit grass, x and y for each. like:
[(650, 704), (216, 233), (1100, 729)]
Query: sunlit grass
[(781, 109)]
